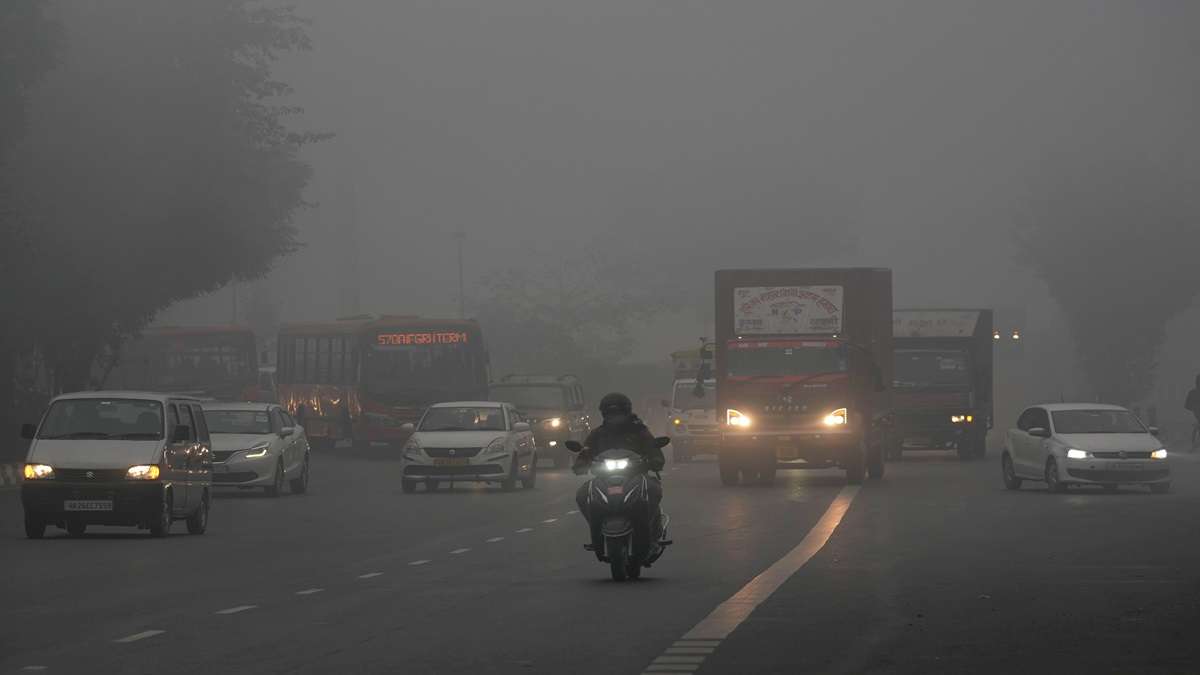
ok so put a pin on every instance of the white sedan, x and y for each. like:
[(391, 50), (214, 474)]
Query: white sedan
[(469, 441), (1066, 444), (257, 445)]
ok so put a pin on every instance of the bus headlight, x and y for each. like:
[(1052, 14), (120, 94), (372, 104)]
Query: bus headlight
[(836, 418), (38, 472), (735, 418)]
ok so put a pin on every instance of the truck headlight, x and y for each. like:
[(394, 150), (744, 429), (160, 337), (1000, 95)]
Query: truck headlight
[(1160, 453), (735, 418), (1076, 454), (143, 472), (554, 422), (836, 418), (962, 419), (38, 472)]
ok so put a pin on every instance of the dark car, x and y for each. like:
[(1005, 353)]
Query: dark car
[(553, 405)]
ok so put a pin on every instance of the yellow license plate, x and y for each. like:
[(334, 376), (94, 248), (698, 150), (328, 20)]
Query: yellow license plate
[(451, 461)]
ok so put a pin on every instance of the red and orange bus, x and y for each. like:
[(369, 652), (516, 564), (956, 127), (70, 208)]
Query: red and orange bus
[(218, 362), (362, 378)]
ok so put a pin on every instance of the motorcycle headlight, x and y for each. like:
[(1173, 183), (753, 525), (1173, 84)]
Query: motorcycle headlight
[(735, 418), (258, 450), (616, 464), (38, 472), (143, 472), (836, 418)]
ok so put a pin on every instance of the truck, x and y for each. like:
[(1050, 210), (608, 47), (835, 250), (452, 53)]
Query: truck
[(804, 360), (692, 408), (942, 380)]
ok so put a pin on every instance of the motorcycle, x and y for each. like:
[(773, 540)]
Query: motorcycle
[(623, 534)]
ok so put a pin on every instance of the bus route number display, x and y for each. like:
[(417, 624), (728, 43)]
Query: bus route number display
[(420, 338)]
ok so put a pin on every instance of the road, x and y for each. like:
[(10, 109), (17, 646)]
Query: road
[(934, 569)]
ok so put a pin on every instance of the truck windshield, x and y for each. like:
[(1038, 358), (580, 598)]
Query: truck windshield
[(931, 368), (782, 361), (686, 398), (531, 397)]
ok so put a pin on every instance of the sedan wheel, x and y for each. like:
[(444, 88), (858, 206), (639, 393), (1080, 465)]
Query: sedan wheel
[(300, 485), (1011, 481), (1053, 484), (510, 482), (276, 485)]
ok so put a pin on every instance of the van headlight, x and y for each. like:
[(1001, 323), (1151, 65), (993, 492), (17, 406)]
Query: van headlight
[(1076, 454), (39, 472), (1160, 453), (735, 418), (258, 450), (143, 472), (837, 418)]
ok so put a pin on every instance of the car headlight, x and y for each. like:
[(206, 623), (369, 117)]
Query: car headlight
[(38, 472), (836, 418), (258, 450), (962, 419), (1160, 453), (553, 422), (497, 445), (735, 418), (1076, 454), (616, 464), (143, 472)]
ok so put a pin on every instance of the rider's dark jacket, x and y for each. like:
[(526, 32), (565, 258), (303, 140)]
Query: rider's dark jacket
[(621, 432)]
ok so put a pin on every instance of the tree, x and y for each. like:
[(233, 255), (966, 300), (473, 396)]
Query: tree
[(159, 166), (1115, 244)]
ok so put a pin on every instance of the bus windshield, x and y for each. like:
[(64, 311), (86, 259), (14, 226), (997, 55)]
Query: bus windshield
[(400, 369)]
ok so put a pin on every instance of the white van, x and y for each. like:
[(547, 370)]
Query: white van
[(118, 458)]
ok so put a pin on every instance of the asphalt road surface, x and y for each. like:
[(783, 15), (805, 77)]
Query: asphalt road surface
[(934, 569)]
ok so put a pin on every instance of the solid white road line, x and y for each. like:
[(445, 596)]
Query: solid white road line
[(459, 551), (419, 562), (370, 575), (731, 613), (495, 539), (236, 610), (140, 636), (309, 591), (523, 530)]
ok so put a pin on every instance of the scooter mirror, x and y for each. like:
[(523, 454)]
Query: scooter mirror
[(573, 446)]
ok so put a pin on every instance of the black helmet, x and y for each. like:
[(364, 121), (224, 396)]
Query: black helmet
[(616, 404)]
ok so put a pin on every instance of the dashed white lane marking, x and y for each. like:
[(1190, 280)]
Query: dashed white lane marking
[(495, 539), (34, 668), (523, 530), (236, 610), (550, 520), (370, 575), (459, 551), (309, 591), (572, 512), (139, 636), (419, 562), (687, 654)]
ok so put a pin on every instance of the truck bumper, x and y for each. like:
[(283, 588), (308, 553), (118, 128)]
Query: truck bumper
[(814, 448)]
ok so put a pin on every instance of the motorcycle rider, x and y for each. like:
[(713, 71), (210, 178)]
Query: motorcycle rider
[(622, 430)]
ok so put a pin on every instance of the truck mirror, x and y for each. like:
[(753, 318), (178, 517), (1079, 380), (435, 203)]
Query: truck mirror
[(574, 446), (698, 391), (665, 403)]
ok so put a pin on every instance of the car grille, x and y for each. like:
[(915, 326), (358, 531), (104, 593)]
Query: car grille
[(468, 470), (82, 474), (222, 455), (1114, 476), (1122, 455), (452, 452), (235, 477)]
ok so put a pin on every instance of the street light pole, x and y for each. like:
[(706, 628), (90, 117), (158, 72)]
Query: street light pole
[(460, 237)]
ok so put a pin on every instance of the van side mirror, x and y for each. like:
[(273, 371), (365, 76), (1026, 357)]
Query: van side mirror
[(574, 446), (28, 431), (662, 441), (1155, 431), (181, 434), (1040, 432)]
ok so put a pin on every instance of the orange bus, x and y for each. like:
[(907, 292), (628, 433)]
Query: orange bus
[(218, 362), (362, 378)]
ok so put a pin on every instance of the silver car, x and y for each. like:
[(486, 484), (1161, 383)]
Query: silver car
[(257, 445)]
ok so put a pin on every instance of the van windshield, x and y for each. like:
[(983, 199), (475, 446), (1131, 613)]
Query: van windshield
[(96, 418)]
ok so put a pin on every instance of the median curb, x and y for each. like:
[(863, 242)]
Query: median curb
[(10, 475)]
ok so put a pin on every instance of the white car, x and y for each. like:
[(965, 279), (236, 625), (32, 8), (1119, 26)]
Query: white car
[(1066, 444), (469, 441), (257, 445)]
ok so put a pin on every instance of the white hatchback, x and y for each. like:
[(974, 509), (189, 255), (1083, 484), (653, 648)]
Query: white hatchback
[(470, 441), (1066, 444)]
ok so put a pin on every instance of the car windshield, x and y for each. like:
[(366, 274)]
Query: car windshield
[(931, 368), (467, 418), (531, 397), (785, 361), (687, 397), (1097, 422), (94, 418), (238, 421)]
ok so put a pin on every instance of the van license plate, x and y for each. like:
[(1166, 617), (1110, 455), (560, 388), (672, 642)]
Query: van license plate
[(88, 505)]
